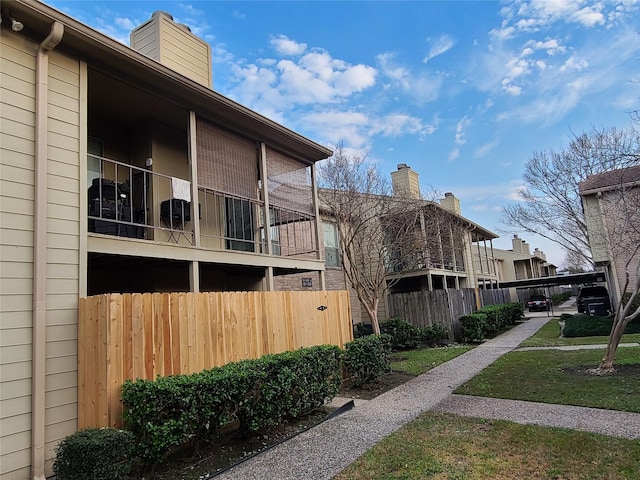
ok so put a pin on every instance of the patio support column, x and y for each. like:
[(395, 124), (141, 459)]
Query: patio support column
[(316, 212), (266, 219), (193, 163), (194, 277)]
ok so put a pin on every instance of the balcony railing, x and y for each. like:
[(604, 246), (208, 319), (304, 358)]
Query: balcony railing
[(129, 201)]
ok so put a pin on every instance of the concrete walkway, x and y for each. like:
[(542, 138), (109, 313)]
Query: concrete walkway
[(325, 450)]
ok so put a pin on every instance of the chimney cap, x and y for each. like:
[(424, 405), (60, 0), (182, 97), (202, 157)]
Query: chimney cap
[(403, 166), (448, 194), (158, 13)]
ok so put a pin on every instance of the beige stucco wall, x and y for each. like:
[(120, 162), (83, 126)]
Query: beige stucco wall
[(17, 147)]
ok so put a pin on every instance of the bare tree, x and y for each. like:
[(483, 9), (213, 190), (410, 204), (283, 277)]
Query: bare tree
[(379, 232), (619, 210), (550, 203)]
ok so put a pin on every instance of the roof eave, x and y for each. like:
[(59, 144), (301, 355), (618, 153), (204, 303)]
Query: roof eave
[(91, 44)]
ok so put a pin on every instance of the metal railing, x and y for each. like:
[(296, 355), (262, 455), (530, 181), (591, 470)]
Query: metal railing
[(130, 201)]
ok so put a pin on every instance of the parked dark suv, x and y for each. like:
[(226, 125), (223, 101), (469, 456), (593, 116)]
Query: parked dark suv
[(594, 300), (538, 302)]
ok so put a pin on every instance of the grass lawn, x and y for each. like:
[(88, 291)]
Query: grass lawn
[(554, 376), (445, 446), (416, 362), (549, 336)]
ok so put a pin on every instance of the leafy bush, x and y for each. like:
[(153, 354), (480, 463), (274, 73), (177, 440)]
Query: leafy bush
[(366, 358), (474, 327), (432, 334), (583, 325), (171, 411), (492, 319), (403, 335), (96, 453), (498, 317)]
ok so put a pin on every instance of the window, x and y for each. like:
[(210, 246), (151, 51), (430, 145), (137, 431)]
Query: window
[(239, 225), (94, 147), (331, 245)]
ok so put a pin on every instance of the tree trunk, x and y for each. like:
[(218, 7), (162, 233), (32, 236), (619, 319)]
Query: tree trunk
[(372, 311), (617, 330)]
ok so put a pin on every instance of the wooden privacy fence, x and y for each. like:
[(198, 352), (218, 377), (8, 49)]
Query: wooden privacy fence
[(423, 309), (131, 336), (495, 296)]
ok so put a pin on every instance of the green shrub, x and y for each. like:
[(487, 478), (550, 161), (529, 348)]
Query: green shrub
[(565, 316), (171, 411), (498, 317), (366, 358), (403, 335), (474, 327), (96, 453), (432, 334), (583, 325)]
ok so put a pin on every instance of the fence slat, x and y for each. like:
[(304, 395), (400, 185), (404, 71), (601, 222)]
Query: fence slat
[(130, 336), (423, 309)]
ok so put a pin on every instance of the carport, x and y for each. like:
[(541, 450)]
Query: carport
[(555, 281)]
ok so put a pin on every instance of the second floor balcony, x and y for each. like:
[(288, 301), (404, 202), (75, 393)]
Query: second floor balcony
[(134, 202)]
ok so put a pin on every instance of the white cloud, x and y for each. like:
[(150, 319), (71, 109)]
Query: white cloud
[(421, 87), (333, 126), (439, 46), (125, 23), (285, 46), (315, 78), (461, 126), (453, 154), (484, 150)]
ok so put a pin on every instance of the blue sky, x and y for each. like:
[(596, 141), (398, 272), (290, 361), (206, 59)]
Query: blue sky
[(464, 92)]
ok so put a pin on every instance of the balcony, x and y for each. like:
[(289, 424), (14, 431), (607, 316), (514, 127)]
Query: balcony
[(133, 202)]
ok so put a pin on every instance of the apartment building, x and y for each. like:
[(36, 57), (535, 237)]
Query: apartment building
[(123, 171), (518, 263), (611, 204)]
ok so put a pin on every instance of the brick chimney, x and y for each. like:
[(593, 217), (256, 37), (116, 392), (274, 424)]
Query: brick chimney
[(175, 46), (405, 181)]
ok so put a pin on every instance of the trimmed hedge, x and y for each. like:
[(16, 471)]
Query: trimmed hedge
[(96, 453), (474, 327), (403, 335), (490, 320), (171, 411), (366, 358), (582, 325), (432, 334)]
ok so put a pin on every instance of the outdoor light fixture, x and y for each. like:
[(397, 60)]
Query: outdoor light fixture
[(16, 26)]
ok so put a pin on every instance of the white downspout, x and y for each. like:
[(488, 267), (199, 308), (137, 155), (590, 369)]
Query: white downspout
[(39, 339)]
